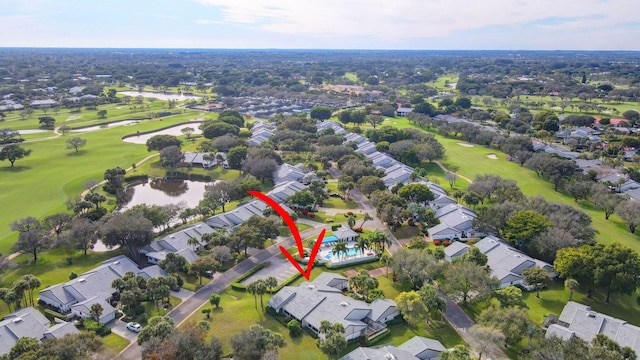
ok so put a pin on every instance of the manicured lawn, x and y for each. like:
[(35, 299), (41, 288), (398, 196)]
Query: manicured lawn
[(152, 309), (237, 312), (52, 267), (40, 184), (339, 203), (322, 217), (553, 299), (406, 232), (115, 343), (473, 161)]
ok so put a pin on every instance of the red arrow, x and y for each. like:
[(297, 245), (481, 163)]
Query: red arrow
[(296, 235)]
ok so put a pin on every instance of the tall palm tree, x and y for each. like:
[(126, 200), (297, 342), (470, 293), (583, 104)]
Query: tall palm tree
[(386, 260), (366, 217), (271, 283), (362, 244), (571, 284), (33, 283), (339, 249), (351, 220), (380, 239), (252, 289)]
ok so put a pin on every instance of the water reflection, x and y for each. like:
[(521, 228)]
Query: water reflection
[(164, 191)]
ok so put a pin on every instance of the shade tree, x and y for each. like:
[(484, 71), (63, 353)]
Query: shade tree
[(13, 152)]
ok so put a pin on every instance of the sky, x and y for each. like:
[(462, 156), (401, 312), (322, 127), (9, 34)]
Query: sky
[(323, 24)]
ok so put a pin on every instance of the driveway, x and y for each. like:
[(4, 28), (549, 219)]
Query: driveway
[(119, 327), (277, 267)]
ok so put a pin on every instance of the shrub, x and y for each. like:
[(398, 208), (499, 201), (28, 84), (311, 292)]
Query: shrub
[(335, 227), (51, 314), (294, 327), (142, 319), (91, 325), (139, 309), (72, 275), (358, 229), (436, 242), (446, 243)]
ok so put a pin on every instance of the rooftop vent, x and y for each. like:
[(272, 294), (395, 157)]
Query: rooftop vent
[(16, 320), (81, 280), (311, 286), (344, 303), (591, 314), (116, 262)]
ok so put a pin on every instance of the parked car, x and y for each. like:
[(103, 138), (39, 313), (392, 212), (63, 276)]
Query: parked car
[(135, 327), (335, 195)]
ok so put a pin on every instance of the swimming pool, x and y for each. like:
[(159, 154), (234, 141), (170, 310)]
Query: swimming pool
[(350, 252)]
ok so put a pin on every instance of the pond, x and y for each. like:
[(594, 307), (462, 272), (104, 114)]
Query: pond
[(162, 191), (160, 96), (175, 131)]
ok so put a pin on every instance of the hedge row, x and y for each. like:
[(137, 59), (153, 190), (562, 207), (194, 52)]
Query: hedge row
[(378, 338), (141, 178), (184, 176), (236, 283), (51, 314), (339, 266)]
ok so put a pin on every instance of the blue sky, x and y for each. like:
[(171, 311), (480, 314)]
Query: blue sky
[(334, 24)]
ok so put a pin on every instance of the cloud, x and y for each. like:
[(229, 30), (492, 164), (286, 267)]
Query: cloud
[(208, 22), (411, 19)]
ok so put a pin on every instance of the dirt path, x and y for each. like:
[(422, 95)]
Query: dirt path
[(445, 170)]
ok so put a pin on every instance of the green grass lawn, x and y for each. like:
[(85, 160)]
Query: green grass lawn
[(473, 161), (40, 184), (52, 267), (237, 312), (115, 343), (553, 299), (152, 309), (406, 232)]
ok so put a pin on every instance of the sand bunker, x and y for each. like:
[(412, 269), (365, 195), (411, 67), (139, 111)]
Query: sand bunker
[(465, 144), (71, 118), (492, 156)]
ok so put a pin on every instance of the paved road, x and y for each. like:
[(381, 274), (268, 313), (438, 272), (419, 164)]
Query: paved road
[(220, 281)]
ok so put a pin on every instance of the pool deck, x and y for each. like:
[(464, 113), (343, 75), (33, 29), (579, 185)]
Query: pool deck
[(326, 250)]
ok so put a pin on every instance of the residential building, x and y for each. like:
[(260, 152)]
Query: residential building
[(456, 222), (416, 348), (507, 263), (345, 234), (404, 111), (178, 243), (76, 296), (198, 159), (310, 303), (578, 320), (29, 322)]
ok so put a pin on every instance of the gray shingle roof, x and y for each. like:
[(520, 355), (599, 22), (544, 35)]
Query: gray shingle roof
[(586, 324)]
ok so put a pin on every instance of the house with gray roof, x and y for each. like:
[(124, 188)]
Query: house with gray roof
[(366, 147), (243, 212), (261, 132), (198, 159), (404, 111), (455, 250), (285, 173), (345, 234), (507, 263), (178, 243), (399, 173), (29, 322), (310, 303), (416, 348), (354, 137), (77, 295), (578, 320), (456, 222), (381, 160)]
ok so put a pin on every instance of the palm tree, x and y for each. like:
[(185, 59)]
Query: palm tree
[(571, 284), (19, 287), (380, 239), (362, 244), (261, 289), (351, 220), (33, 283), (251, 289), (366, 217), (193, 242), (339, 249), (96, 311), (386, 260), (271, 283)]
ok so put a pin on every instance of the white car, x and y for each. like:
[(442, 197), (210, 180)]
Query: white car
[(135, 327)]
